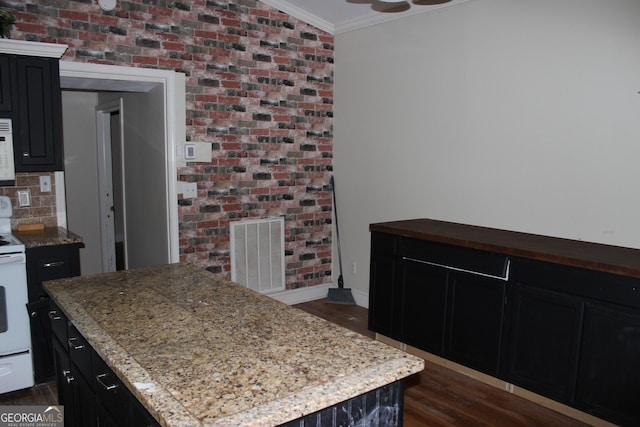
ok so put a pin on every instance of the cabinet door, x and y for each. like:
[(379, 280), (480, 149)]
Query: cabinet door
[(41, 340), (475, 324), (381, 283), (543, 348), (66, 384), (421, 306), (609, 375), (49, 263), (6, 99), (112, 395), (39, 131), (381, 294)]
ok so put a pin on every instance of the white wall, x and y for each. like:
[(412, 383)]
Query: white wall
[(80, 160), (515, 114)]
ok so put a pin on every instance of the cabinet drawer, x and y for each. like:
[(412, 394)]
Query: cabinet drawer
[(455, 258), (112, 393), (58, 323), (80, 353), (383, 244), (597, 285)]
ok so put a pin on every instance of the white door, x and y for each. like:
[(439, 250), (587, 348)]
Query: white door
[(112, 221)]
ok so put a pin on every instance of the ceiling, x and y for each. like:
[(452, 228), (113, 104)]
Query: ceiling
[(340, 16)]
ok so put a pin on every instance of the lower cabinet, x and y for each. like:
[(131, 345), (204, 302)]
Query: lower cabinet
[(90, 391), (567, 333), (609, 374), (46, 263), (544, 342)]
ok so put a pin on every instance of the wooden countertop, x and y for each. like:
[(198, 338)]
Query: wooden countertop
[(197, 349), (592, 256)]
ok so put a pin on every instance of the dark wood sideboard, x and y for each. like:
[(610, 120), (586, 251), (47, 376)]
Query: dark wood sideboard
[(558, 317)]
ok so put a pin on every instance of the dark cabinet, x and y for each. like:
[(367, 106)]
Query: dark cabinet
[(421, 306), (90, 391), (74, 389), (6, 98), (46, 263), (30, 95), (476, 322), (382, 272), (544, 340), (609, 375), (441, 299), (557, 317)]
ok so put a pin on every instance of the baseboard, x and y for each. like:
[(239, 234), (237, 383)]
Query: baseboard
[(316, 292), (495, 382)]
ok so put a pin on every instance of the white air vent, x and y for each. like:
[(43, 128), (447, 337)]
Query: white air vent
[(257, 254)]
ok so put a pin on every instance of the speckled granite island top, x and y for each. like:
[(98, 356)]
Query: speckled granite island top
[(197, 349)]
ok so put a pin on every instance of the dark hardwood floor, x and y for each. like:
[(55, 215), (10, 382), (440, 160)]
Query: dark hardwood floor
[(437, 397)]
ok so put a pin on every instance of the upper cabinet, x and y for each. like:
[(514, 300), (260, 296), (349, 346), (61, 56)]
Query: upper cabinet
[(30, 96), (36, 113), (5, 85)]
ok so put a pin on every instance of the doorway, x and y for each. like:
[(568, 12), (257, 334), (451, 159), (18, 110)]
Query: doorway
[(143, 207)]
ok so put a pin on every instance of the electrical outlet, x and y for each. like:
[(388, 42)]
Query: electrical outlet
[(45, 184), (190, 190)]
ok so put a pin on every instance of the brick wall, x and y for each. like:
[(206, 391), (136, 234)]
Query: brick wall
[(259, 87)]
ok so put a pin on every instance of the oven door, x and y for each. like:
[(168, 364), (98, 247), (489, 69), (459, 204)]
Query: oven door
[(15, 336)]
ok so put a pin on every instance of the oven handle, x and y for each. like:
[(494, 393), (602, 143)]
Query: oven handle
[(12, 259)]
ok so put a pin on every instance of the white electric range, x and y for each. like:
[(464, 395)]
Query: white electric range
[(16, 366)]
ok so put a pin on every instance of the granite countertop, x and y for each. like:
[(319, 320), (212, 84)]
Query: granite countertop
[(197, 349), (48, 237)]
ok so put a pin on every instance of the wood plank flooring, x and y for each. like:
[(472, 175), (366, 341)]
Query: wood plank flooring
[(437, 397)]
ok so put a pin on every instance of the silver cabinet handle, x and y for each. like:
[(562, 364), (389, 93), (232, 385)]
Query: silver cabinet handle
[(72, 345), (462, 270), (53, 315), (67, 376), (53, 264), (25, 154), (107, 387)]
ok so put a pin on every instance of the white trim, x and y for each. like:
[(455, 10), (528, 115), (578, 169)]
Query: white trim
[(316, 292), (301, 14), (175, 120), (21, 47), (368, 20), (381, 17), (61, 199)]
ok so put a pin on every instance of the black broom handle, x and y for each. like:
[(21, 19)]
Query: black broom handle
[(335, 210)]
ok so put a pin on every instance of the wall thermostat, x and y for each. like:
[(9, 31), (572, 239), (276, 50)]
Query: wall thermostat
[(189, 151)]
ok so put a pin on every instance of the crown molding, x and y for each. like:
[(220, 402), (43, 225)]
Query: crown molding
[(301, 14), (21, 47)]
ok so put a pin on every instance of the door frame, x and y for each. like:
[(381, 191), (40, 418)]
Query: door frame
[(99, 76), (106, 191)]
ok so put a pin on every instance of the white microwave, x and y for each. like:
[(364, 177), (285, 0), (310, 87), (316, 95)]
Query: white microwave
[(7, 166)]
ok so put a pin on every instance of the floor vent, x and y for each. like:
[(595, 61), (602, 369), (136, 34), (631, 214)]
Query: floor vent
[(257, 254)]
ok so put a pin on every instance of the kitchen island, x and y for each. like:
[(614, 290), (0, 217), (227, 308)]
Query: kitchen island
[(196, 349)]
